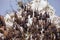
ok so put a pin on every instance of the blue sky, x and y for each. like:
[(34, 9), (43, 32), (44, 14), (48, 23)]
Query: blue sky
[(5, 6)]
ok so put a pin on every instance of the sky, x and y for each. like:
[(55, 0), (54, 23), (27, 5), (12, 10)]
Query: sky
[(8, 5)]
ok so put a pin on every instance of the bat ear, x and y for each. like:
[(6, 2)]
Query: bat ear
[(2, 22)]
